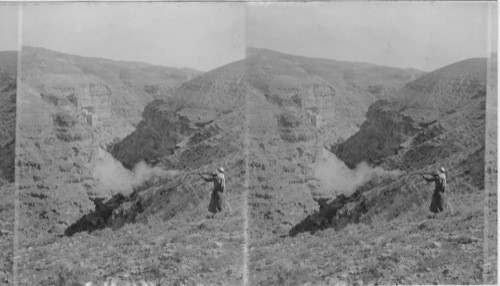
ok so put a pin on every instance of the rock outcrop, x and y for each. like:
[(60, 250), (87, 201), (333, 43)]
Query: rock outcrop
[(295, 105), (110, 95), (157, 135), (420, 104), (381, 135), (56, 157), (335, 94)]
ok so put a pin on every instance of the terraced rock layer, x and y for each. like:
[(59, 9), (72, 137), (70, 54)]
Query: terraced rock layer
[(70, 109), (284, 105), (396, 140)]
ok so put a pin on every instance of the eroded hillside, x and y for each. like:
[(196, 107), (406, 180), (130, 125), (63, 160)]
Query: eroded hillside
[(296, 107), (70, 108), (284, 106), (421, 104), (386, 220), (336, 94), (112, 93), (400, 135), (8, 91), (302, 214)]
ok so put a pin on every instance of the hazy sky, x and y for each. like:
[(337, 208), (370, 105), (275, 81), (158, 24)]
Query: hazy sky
[(202, 36), (8, 27), (422, 35)]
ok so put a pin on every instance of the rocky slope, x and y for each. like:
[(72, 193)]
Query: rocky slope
[(200, 128), (334, 94), (7, 229), (112, 93), (69, 109), (267, 120), (260, 114), (8, 91), (297, 105), (400, 135), (7, 125), (325, 94), (284, 105), (70, 184), (203, 106), (420, 105)]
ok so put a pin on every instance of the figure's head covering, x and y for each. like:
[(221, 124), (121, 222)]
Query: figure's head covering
[(442, 170), (220, 170)]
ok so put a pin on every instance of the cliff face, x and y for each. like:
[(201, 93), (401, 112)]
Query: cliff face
[(185, 147), (69, 109), (336, 94), (277, 109), (420, 104), (56, 154), (403, 135), (455, 142), (156, 136), (198, 110), (110, 94), (381, 135), (320, 94)]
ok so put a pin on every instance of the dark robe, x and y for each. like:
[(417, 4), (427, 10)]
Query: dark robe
[(439, 197), (217, 198)]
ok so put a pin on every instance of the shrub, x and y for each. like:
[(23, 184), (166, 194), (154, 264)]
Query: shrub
[(287, 276), (288, 119), (64, 119), (67, 275)]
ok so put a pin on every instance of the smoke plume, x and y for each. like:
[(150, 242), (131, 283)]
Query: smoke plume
[(143, 173), (113, 177), (337, 177)]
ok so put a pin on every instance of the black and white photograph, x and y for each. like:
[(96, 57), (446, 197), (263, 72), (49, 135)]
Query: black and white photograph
[(8, 97), (368, 125), (129, 144), (248, 143)]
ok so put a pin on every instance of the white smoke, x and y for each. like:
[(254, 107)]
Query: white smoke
[(143, 173), (335, 176), (114, 178)]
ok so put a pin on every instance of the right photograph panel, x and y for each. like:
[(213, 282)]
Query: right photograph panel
[(371, 130)]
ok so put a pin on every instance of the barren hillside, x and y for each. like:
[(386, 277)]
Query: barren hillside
[(225, 117), (302, 214), (421, 106), (113, 92), (286, 107), (391, 239), (69, 109), (330, 96), (8, 83)]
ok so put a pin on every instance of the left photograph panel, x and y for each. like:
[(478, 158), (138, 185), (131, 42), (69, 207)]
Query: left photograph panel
[(8, 91), (126, 132)]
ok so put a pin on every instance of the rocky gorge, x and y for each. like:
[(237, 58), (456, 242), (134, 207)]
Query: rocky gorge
[(321, 160)]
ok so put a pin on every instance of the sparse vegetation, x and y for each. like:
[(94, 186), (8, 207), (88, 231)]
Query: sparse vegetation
[(380, 235), (289, 120)]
